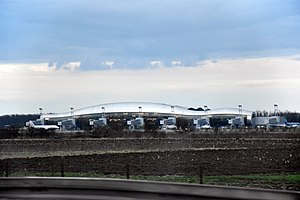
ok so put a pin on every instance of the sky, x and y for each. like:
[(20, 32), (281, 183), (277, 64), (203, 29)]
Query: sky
[(61, 54)]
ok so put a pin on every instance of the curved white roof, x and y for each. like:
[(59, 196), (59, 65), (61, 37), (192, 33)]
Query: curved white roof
[(146, 107)]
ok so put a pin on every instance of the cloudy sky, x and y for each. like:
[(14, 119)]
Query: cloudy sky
[(57, 54)]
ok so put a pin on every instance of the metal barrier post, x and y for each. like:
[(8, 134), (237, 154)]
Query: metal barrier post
[(62, 172), (283, 180), (127, 171), (6, 169), (52, 171), (200, 174)]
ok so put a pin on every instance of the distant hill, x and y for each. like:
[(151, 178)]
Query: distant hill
[(16, 120)]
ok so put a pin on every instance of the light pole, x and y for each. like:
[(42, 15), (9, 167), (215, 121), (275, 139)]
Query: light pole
[(205, 109), (103, 111), (41, 112), (240, 108), (205, 112), (172, 109), (275, 109), (140, 111), (72, 111)]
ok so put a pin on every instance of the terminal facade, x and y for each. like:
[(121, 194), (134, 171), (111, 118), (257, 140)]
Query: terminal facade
[(144, 115)]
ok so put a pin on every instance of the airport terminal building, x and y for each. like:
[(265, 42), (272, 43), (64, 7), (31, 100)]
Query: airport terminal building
[(135, 115)]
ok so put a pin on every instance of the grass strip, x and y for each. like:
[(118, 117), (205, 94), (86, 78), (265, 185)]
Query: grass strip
[(290, 181)]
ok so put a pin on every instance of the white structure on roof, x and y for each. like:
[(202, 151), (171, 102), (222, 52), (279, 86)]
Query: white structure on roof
[(145, 108)]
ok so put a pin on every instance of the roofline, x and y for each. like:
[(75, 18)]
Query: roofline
[(144, 108)]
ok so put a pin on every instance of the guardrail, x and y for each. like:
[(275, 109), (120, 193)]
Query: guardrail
[(93, 188)]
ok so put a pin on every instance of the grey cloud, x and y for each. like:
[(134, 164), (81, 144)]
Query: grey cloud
[(139, 31)]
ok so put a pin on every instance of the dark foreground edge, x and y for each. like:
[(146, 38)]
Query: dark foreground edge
[(94, 188)]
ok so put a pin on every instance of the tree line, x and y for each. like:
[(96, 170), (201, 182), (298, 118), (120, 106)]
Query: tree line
[(16, 120)]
